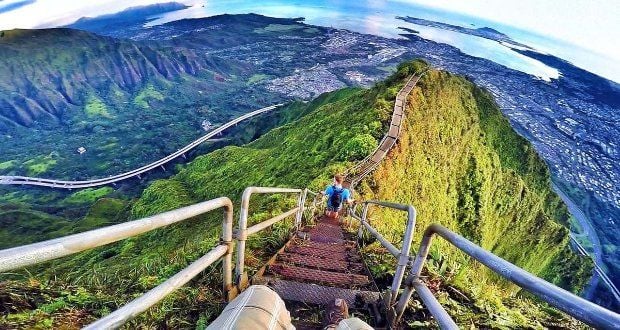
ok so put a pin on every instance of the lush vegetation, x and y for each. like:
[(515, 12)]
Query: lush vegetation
[(127, 104), (460, 164), (449, 163)]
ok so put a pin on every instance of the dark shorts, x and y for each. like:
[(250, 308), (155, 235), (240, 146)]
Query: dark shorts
[(333, 209)]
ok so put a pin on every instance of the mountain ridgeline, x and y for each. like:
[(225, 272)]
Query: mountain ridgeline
[(458, 161), (71, 69)]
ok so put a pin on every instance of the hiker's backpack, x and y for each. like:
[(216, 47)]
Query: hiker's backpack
[(336, 198)]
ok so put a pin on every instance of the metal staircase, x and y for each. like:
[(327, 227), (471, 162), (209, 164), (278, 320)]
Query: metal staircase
[(322, 262), (357, 173)]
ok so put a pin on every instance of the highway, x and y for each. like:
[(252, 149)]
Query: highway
[(596, 245), (51, 183)]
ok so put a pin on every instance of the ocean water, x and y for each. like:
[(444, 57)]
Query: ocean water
[(378, 17)]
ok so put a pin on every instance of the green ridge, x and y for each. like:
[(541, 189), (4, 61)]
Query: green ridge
[(458, 162)]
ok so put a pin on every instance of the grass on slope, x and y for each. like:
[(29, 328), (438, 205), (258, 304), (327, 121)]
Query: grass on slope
[(460, 164), (96, 108)]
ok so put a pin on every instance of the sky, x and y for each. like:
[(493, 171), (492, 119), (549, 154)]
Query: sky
[(588, 29), (591, 24), (583, 26)]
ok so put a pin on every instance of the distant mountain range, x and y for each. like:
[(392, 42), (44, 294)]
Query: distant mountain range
[(47, 73), (126, 18)]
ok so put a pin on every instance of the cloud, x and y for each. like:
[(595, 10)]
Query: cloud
[(15, 5), (52, 13)]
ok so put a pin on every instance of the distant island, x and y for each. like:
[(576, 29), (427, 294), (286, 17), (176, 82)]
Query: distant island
[(484, 32)]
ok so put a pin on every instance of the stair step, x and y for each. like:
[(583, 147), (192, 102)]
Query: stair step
[(325, 233), (329, 231), (325, 220), (318, 276), (336, 256), (334, 247), (322, 263), (325, 239), (321, 295)]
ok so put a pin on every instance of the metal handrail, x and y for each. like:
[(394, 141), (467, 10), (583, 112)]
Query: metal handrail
[(318, 198), (242, 232), (117, 318), (31, 254), (402, 254), (579, 308)]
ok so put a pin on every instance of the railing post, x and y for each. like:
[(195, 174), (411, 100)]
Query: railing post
[(414, 275), (241, 234), (360, 231), (301, 203), (230, 291), (403, 258), (241, 279), (314, 204)]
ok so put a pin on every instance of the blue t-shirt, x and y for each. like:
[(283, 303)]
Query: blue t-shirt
[(346, 194)]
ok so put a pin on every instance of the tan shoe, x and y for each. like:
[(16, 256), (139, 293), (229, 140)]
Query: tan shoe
[(336, 312)]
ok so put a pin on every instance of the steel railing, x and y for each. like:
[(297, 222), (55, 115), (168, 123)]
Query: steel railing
[(36, 253), (402, 254), (314, 205), (32, 254), (579, 308), (243, 232)]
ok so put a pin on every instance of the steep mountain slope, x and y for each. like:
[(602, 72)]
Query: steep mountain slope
[(127, 103), (71, 68), (462, 166)]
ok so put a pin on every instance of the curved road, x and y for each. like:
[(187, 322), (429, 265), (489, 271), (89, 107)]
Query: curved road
[(596, 244), (23, 180)]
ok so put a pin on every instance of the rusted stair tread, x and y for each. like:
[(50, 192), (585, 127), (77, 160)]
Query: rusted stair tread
[(325, 239), (335, 247), (327, 230), (328, 226), (336, 256), (319, 276), (324, 234), (321, 295), (321, 263), (328, 220)]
